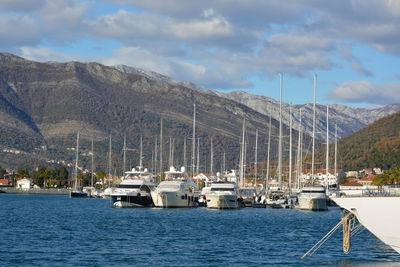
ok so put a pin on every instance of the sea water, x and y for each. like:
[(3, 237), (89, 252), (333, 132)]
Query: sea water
[(45, 230)]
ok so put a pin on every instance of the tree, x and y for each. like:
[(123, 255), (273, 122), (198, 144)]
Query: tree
[(22, 173), (101, 174), (391, 176)]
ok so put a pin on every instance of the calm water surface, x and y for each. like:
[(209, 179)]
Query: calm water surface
[(44, 230)]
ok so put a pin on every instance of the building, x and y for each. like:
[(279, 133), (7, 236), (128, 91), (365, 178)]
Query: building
[(5, 182), (367, 181), (25, 183)]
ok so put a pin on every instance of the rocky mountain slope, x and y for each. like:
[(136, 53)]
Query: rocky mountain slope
[(44, 105), (377, 145), (348, 119)]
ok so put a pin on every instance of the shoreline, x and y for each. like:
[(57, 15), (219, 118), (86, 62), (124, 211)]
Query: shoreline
[(41, 191)]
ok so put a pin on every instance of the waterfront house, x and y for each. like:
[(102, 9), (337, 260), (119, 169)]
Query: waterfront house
[(367, 181), (24, 183), (5, 182)]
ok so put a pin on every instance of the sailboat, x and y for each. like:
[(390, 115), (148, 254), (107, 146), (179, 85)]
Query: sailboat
[(313, 196), (77, 191)]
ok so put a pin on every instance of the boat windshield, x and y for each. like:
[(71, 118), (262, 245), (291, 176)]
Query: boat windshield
[(129, 186), (222, 189), (169, 186), (313, 191)]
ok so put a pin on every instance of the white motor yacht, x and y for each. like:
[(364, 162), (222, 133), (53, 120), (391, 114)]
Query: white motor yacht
[(175, 194), (222, 195), (312, 197), (134, 190)]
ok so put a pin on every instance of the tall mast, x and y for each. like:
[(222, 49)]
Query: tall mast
[(76, 162), (109, 161), (198, 156), (161, 149), (184, 154), (212, 157), (124, 158), (155, 156), (92, 176), (313, 130), (241, 174), (290, 149), (327, 146), (255, 160), (299, 154), (194, 140), (141, 153), (269, 140), (280, 132), (223, 162), (336, 171), (173, 152), (170, 153)]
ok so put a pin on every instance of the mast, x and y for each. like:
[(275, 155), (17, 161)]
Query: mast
[(336, 171), (170, 153), (124, 158), (313, 130), (194, 139), (161, 149), (255, 160), (241, 165), (327, 147), (223, 163), (211, 157), (198, 156), (290, 150), (76, 162), (299, 154), (141, 153), (92, 176), (269, 141), (155, 156), (280, 132), (109, 162), (184, 154)]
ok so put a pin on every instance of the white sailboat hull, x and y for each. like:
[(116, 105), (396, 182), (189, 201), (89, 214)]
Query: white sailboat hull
[(173, 199), (378, 214), (224, 201)]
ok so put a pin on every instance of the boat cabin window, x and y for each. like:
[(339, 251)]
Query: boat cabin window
[(222, 189), (129, 186), (313, 191)]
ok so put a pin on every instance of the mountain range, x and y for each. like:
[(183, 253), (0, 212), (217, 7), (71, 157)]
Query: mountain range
[(44, 105), (348, 119)]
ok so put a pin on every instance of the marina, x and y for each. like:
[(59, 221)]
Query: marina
[(57, 230)]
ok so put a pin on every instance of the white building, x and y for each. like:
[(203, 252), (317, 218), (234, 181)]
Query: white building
[(24, 184)]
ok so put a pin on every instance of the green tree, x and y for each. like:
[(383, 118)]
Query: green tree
[(101, 175), (391, 176), (22, 173)]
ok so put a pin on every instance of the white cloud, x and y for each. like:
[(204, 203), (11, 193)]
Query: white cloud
[(21, 5), (177, 68), (18, 30), (367, 92)]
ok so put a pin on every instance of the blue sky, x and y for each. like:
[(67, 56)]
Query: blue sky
[(352, 45)]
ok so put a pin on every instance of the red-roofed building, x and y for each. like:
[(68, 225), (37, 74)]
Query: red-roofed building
[(367, 180), (5, 182)]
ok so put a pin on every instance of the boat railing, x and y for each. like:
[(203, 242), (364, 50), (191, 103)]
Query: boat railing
[(385, 191)]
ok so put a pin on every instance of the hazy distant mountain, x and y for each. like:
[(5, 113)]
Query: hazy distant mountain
[(46, 104), (348, 119)]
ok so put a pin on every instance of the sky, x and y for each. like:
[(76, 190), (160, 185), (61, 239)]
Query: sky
[(352, 45)]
